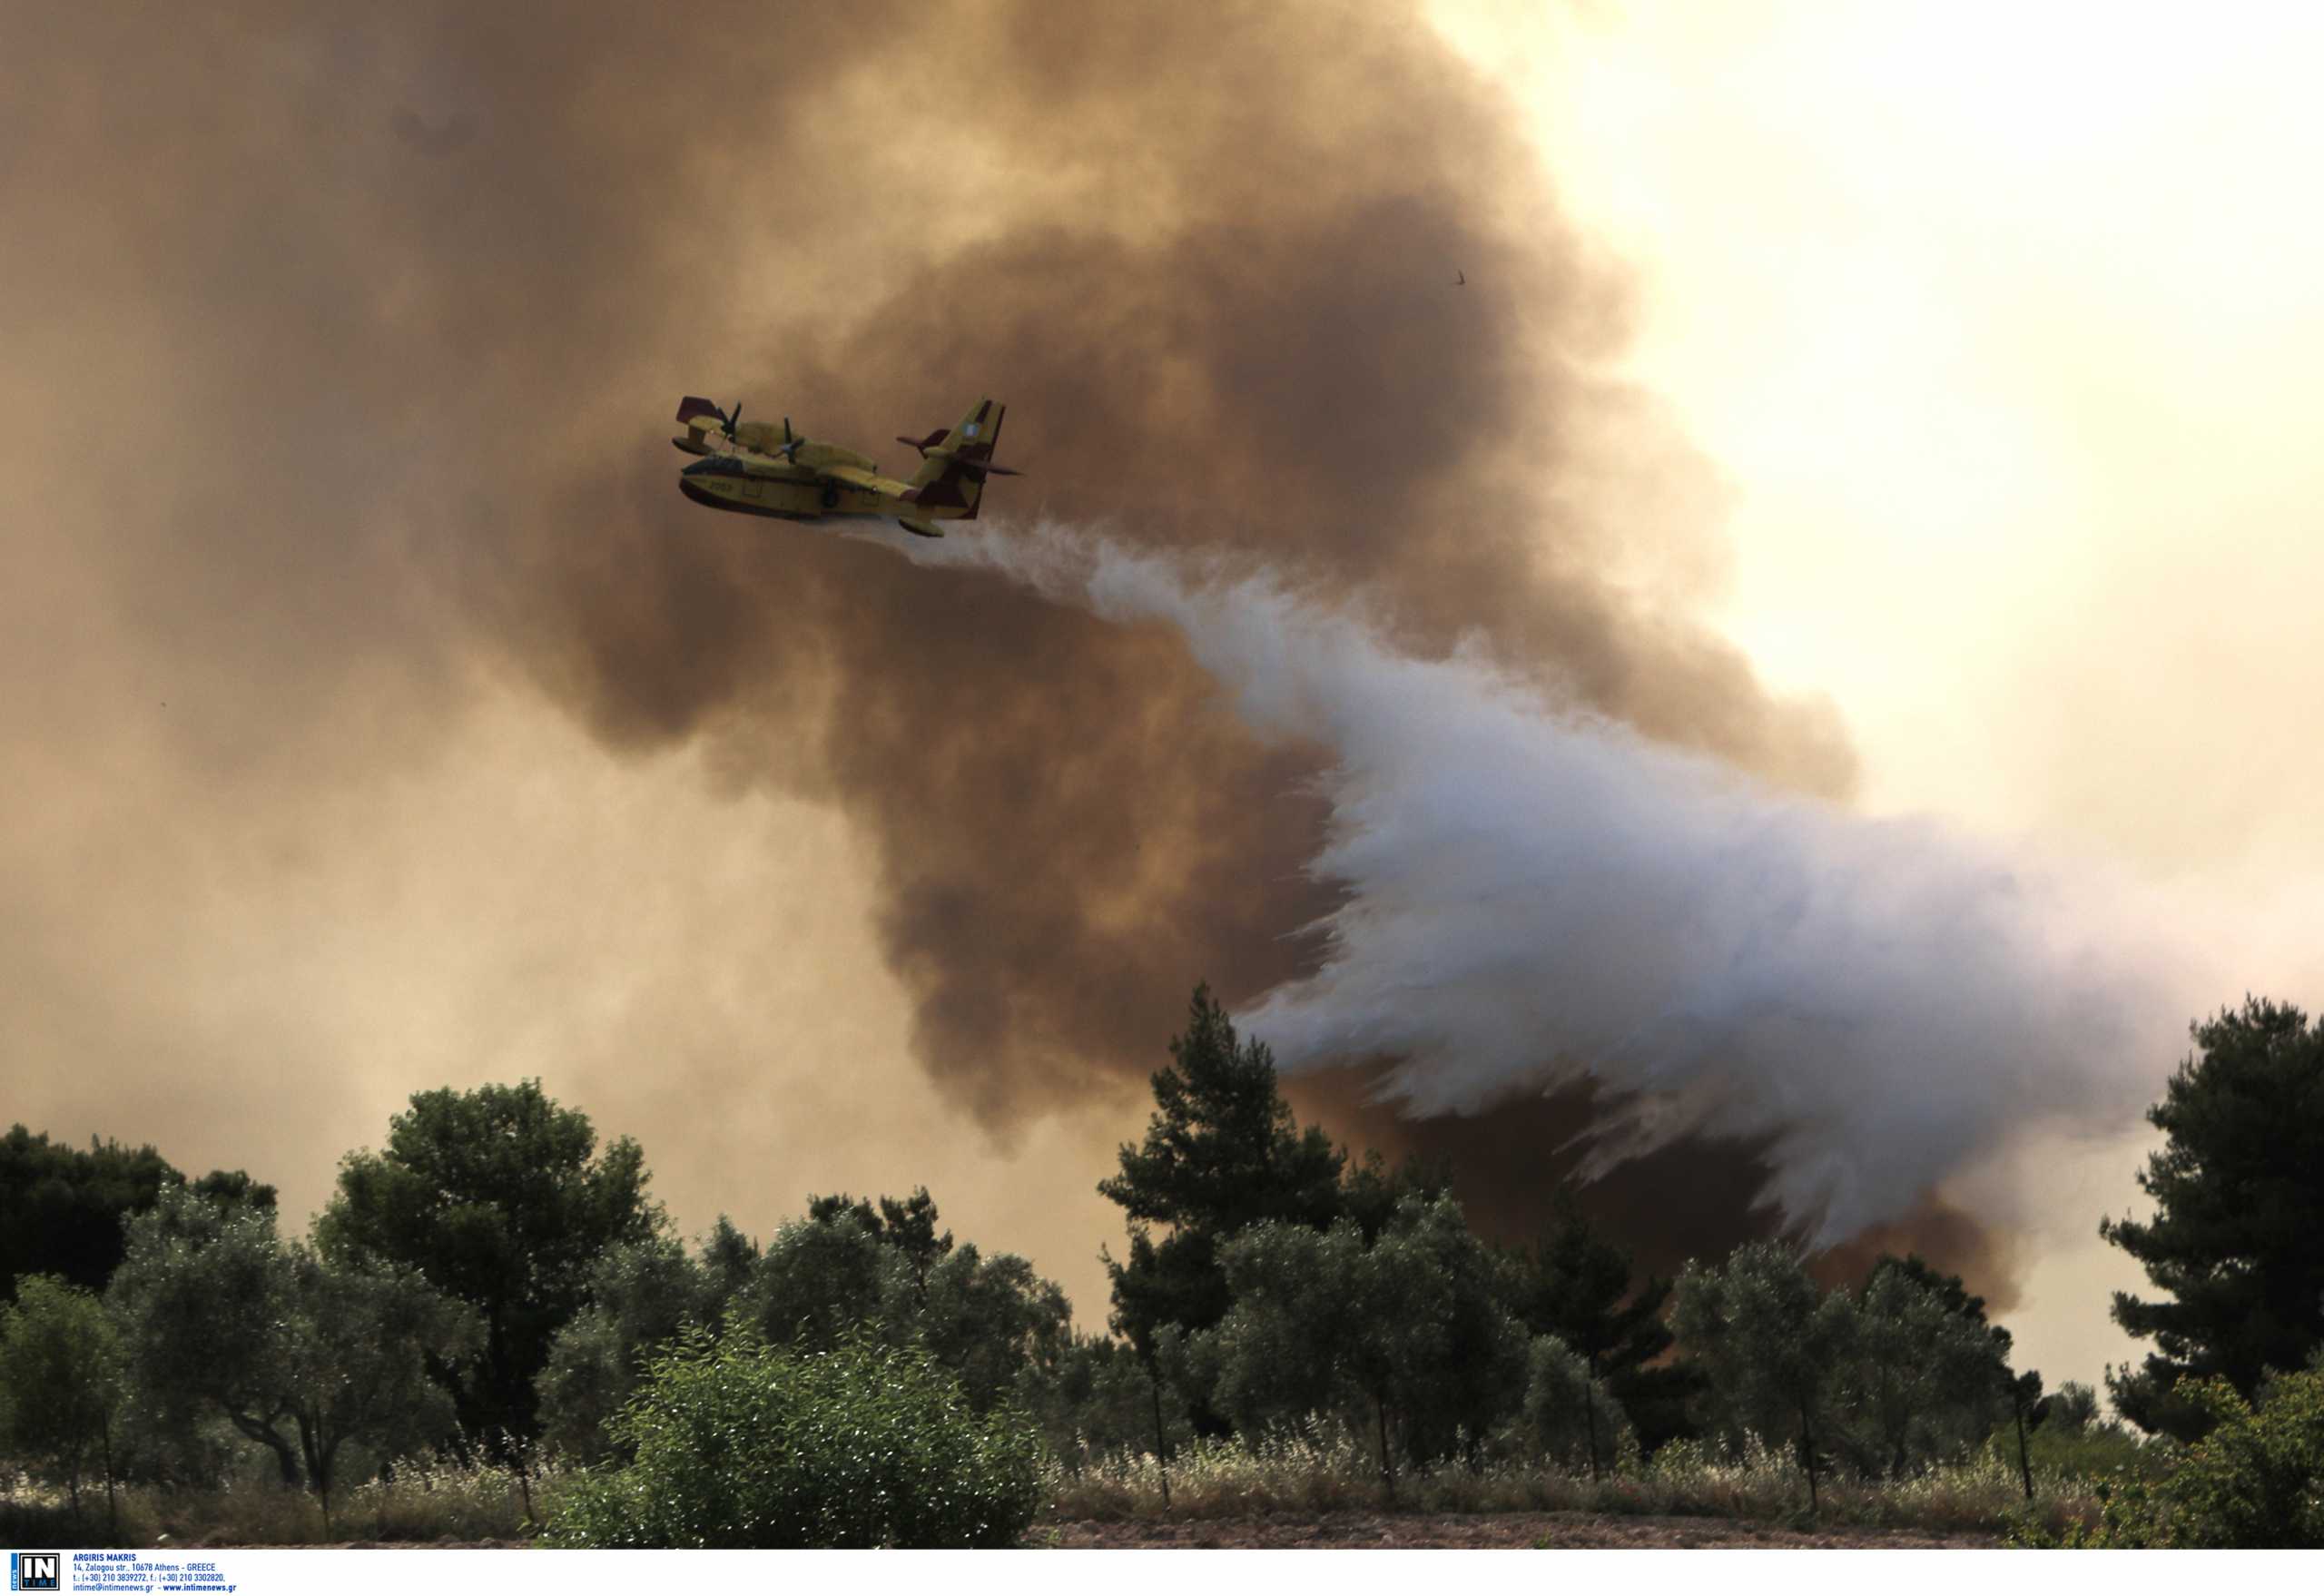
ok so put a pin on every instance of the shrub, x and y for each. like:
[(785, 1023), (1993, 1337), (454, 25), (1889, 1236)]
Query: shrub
[(736, 1443), (2098, 1451), (60, 1383), (2255, 1481)]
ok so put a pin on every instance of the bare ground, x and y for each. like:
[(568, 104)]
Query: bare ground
[(1352, 1529)]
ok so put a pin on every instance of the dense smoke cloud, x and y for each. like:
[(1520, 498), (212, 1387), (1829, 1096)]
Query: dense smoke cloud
[(342, 352), (1223, 316)]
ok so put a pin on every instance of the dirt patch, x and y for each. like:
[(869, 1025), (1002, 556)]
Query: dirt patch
[(1480, 1529)]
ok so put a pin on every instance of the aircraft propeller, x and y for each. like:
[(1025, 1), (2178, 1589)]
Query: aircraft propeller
[(789, 450), (727, 419)]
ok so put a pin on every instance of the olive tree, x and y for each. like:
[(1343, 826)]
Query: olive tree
[(1571, 1415), (219, 1313), (1773, 1346), (60, 1383), (1409, 1331), (1922, 1381)]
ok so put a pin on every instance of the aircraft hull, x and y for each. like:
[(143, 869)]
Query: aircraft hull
[(802, 502), (791, 501)]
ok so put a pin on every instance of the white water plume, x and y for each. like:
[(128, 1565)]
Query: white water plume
[(1535, 893)]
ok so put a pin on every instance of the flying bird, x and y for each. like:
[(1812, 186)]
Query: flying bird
[(1460, 278)]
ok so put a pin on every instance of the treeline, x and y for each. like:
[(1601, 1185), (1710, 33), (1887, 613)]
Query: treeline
[(493, 1285), (1290, 1285), (486, 1286)]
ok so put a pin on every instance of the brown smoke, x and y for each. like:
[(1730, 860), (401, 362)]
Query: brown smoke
[(1236, 327), (405, 296), (1693, 1199), (1696, 1198)]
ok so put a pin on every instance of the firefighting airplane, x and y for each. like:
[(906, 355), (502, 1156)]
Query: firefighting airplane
[(748, 466)]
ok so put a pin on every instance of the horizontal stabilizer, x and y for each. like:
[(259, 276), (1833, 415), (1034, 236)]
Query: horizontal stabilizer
[(967, 464), (691, 406)]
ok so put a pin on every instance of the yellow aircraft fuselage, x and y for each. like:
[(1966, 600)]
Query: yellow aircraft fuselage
[(751, 469), (739, 480)]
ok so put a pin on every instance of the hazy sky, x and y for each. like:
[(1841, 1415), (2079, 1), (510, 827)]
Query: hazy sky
[(376, 717)]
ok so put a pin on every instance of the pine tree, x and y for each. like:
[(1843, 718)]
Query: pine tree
[(909, 1226), (1222, 1152), (1575, 1284), (2237, 1238), (1222, 1149), (62, 1209)]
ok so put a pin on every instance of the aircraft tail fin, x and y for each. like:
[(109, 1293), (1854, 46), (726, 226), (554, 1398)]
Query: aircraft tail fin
[(955, 465), (701, 419)]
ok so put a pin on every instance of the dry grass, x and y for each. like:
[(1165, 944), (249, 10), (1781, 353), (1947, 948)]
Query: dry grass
[(422, 1504), (1308, 1473), (1311, 1474)]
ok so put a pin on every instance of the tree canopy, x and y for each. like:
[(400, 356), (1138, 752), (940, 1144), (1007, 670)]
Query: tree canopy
[(220, 1315), (1575, 1284), (60, 1382), (642, 1296), (850, 1270), (1222, 1152), (2237, 1238), (1772, 1344), (909, 1226), (499, 1197), (1928, 1377), (1406, 1333), (61, 1208)]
